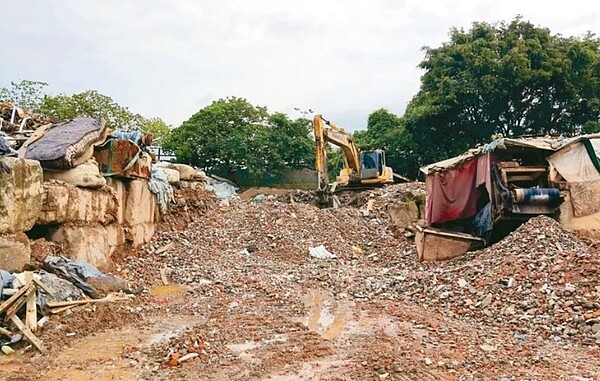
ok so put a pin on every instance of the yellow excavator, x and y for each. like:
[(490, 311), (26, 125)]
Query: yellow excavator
[(366, 168)]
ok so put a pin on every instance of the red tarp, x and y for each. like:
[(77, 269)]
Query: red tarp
[(452, 194)]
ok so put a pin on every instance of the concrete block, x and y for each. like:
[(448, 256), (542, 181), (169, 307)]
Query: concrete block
[(118, 186), (21, 195), (141, 205), (140, 234), (64, 203), (193, 185), (172, 175), (403, 214), (15, 251), (93, 244)]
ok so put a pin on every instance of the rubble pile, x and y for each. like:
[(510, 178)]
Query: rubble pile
[(541, 280), (188, 205), (281, 233), (14, 119), (30, 300)]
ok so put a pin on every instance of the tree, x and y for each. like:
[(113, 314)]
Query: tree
[(231, 135), (91, 104), (507, 78), (158, 128), (387, 131), (26, 94)]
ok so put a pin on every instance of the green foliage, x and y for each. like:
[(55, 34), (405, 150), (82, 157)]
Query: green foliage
[(26, 94), (510, 79), (387, 131), (231, 134), (91, 104), (158, 128), (335, 162)]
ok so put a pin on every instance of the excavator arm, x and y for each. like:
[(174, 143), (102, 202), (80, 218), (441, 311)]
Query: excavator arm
[(327, 132)]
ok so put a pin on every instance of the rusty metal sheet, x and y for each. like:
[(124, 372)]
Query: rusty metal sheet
[(439, 245), (123, 158)]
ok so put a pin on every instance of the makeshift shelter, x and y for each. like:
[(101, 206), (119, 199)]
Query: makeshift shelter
[(513, 179)]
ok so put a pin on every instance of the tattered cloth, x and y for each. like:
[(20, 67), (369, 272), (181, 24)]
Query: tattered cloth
[(159, 185), (65, 145), (453, 194)]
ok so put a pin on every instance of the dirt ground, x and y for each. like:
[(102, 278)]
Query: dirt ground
[(247, 300)]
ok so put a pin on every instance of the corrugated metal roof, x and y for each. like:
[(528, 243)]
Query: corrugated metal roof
[(546, 143)]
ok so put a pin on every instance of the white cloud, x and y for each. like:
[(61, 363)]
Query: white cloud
[(169, 58)]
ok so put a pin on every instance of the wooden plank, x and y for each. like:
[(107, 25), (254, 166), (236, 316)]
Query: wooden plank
[(163, 276), (22, 291), (5, 332), (31, 313), (43, 287), (19, 303), (106, 299), (61, 309), (530, 177), (165, 248), (27, 333), (525, 169)]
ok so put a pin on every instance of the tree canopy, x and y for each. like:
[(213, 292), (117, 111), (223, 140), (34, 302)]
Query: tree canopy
[(509, 79), (31, 95), (231, 135)]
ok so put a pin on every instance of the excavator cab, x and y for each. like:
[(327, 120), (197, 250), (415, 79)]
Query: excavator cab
[(372, 164)]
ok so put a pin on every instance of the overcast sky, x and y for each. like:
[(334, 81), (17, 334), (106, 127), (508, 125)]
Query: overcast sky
[(169, 58)]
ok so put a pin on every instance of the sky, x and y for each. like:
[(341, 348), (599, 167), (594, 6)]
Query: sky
[(169, 58)]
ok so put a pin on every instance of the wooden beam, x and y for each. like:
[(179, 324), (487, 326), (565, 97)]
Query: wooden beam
[(22, 291), (106, 299), (19, 303), (525, 169), (43, 286), (5, 332), (27, 333), (31, 314)]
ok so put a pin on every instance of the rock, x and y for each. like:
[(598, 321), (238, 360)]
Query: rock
[(403, 214), (118, 186), (486, 301), (462, 283), (187, 173), (7, 350), (172, 175), (15, 251), (488, 348), (93, 244), (66, 203), (21, 195), (141, 206), (139, 234), (61, 289)]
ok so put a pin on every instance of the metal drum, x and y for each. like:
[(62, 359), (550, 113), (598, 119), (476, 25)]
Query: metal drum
[(537, 196)]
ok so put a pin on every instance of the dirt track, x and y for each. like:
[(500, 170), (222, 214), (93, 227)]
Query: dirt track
[(276, 314)]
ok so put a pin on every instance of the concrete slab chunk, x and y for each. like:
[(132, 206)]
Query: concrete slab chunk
[(21, 195), (15, 251)]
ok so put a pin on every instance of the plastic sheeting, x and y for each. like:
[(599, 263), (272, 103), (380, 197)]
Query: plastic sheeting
[(222, 190), (76, 272), (6, 280), (453, 194), (585, 197), (134, 136), (159, 185), (574, 163)]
